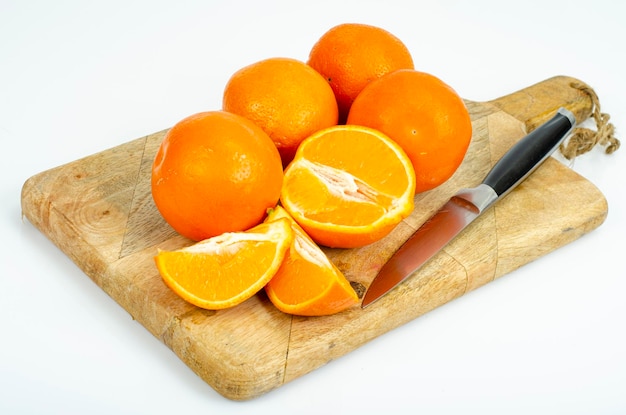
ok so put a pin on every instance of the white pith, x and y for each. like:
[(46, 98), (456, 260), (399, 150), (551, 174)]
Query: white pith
[(346, 186), (227, 243)]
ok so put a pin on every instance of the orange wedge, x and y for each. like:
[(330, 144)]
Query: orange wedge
[(226, 270), (307, 283), (348, 186)]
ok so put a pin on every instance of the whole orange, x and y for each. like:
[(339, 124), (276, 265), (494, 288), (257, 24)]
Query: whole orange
[(287, 98), (215, 172), (425, 116), (351, 55)]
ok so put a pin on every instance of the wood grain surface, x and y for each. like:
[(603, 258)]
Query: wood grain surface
[(99, 211)]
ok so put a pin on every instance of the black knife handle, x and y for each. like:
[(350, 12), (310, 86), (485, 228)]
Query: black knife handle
[(528, 153)]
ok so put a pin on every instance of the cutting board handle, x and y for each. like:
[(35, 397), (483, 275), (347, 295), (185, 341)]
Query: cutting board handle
[(537, 103)]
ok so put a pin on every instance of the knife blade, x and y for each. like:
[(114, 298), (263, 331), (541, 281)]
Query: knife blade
[(468, 204)]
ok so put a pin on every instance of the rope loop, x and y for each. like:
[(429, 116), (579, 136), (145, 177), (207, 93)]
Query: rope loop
[(584, 139)]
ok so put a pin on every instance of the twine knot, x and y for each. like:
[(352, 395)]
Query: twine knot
[(584, 139)]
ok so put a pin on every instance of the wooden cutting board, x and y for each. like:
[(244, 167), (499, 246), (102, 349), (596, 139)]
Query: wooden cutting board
[(98, 210)]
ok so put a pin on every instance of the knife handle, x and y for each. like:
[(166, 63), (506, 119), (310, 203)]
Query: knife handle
[(528, 153)]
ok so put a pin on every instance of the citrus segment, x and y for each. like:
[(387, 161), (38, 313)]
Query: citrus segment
[(226, 270), (425, 116), (348, 186), (308, 283)]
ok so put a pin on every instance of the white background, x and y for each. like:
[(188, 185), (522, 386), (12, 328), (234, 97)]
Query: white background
[(77, 77)]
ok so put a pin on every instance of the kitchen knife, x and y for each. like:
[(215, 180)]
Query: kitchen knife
[(468, 204)]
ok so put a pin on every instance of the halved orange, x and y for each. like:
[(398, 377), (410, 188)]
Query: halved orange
[(227, 269), (307, 283), (348, 186)]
